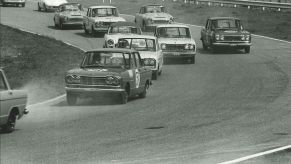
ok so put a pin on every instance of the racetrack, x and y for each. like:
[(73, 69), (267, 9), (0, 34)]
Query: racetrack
[(225, 106)]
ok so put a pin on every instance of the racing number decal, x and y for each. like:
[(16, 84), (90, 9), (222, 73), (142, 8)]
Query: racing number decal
[(137, 78)]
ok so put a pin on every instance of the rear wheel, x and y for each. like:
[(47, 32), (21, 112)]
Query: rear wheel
[(71, 99), (10, 125), (155, 75)]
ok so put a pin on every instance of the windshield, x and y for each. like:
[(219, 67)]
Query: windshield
[(71, 7), (104, 12), (105, 59), (226, 23), (124, 30), (139, 44), (154, 9), (173, 32)]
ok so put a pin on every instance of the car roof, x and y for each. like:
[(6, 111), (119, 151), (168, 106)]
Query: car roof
[(96, 7), (137, 36), (112, 50), (216, 18), (69, 3), (124, 24), (152, 5), (173, 25)]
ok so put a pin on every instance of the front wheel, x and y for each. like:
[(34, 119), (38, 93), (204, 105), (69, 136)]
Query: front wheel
[(38, 7), (144, 92), (71, 99), (155, 75), (124, 97), (204, 45), (85, 30), (10, 125), (247, 50)]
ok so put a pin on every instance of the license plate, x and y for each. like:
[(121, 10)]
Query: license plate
[(174, 53)]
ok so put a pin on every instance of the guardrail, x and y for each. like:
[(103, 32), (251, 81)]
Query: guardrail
[(247, 3)]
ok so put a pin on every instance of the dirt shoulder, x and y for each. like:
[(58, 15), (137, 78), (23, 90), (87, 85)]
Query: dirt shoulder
[(268, 23), (36, 63)]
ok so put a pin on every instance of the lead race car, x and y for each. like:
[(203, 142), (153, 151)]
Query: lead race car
[(119, 29), (13, 2), (226, 32), (69, 14), (149, 50), (150, 16), (176, 42), (111, 71), (99, 18)]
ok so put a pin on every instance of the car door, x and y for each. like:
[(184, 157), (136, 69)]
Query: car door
[(141, 71), (86, 19), (208, 33), (160, 55), (5, 95)]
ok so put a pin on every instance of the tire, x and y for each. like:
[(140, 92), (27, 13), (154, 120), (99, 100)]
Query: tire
[(85, 30), (144, 92), (38, 7), (71, 99), (124, 97), (45, 9), (247, 50), (10, 125), (62, 26), (192, 60), (55, 23), (93, 32), (204, 46), (23, 5), (155, 75)]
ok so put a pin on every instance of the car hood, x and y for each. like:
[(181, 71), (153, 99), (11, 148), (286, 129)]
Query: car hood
[(72, 13), (109, 19), (148, 54), (158, 16), (101, 71), (176, 41), (116, 36), (231, 31), (54, 2)]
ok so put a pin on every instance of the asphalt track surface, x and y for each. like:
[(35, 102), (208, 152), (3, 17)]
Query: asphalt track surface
[(226, 106)]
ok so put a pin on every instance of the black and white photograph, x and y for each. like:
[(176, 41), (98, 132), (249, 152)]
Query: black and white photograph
[(145, 82)]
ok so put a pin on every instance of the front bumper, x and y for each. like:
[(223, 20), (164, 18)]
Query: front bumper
[(232, 44), (101, 28), (186, 54), (92, 91), (77, 23)]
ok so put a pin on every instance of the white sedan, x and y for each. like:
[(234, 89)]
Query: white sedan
[(49, 5), (149, 50)]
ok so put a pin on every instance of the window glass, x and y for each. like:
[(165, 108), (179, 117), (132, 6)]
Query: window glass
[(103, 12), (2, 83), (125, 29), (106, 59), (72, 7), (140, 44), (225, 23), (174, 32), (154, 9)]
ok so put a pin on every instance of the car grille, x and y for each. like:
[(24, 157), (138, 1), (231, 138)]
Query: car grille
[(107, 23), (175, 47), (161, 22), (76, 19), (93, 80), (232, 38)]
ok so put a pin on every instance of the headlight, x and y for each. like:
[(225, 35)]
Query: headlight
[(192, 47), (73, 79), (150, 21), (163, 46), (98, 24), (112, 80), (171, 20), (217, 37), (243, 37), (110, 42), (187, 46), (66, 18), (149, 62), (247, 37), (221, 37)]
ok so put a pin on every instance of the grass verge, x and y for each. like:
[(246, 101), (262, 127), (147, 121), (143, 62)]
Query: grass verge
[(268, 23), (36, 63)]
